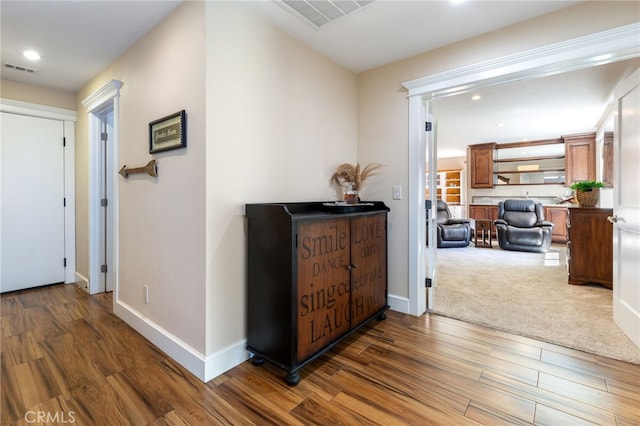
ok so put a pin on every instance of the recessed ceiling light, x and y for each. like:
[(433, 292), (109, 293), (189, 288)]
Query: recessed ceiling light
[(476, 97), (32, 55)]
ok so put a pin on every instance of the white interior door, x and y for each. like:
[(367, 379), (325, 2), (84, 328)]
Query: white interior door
[(626, 209), (32, 193)]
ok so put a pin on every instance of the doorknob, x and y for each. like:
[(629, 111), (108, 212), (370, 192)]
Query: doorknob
[(614, 219)]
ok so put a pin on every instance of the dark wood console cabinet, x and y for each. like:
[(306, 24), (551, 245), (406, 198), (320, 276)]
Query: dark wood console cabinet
[(590, 246), (316, 274)]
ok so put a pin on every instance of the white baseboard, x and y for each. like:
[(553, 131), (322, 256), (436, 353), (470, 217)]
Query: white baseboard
[(398, 304), (203, 367), (81, 281)]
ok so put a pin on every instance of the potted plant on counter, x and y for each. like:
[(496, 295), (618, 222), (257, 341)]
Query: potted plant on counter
[(587, 192)]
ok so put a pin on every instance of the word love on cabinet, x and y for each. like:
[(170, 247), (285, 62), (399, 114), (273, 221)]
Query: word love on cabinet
[(315, 276)]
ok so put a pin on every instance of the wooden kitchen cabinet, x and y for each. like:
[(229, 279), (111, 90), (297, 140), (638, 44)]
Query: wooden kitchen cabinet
[(316, 274), (486, 212), (481, 160), (580, 157), (558, 216), (590, 246)]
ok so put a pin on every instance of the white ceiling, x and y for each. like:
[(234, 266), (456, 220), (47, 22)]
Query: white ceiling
[(78, 39), (389, 30)]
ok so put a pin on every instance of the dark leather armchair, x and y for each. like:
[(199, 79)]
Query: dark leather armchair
[(451, 232), (521, 226)]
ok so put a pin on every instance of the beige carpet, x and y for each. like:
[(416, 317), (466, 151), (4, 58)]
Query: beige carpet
[(516, 292)]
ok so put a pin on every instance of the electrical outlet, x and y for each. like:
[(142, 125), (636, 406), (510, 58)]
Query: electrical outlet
[(146, 293), (397, 192)]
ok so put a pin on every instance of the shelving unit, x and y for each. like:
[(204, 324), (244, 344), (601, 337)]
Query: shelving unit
[(452, 187), (533, 163), (449, 187)]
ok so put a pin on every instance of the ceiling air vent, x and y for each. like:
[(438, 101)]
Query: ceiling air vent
[(321, 12), (20, 68)]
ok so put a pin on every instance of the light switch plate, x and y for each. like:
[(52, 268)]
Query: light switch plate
[(397, 192)]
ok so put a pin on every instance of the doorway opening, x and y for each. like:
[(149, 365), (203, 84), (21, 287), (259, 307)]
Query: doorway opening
[(596, 49)]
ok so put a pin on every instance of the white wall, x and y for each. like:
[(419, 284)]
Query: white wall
[(162, 220), (280, 118)]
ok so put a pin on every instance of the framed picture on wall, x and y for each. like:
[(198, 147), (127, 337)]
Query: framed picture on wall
[(168, 133)]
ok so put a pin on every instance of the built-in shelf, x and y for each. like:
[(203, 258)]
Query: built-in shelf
[(449, 185), (529, 163)]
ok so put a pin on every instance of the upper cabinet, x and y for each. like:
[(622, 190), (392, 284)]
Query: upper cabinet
[(481, 160), (560, 161), (581, 157)]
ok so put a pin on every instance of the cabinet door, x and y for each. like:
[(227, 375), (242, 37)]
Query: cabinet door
[(323, 284), (369, 266), (482, 165), (558, 216), (483, 212), (580, 158)]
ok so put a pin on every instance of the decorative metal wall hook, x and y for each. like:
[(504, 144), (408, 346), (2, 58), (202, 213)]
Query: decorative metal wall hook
[(151, 169)]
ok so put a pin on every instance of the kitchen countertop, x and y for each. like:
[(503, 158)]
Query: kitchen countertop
[(548, 201)]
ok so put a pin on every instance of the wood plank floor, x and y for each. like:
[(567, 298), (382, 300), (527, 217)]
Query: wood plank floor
[(68, 359)]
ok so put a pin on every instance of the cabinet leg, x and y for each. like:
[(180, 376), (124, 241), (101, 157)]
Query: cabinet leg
[(292, 379), (257, 360), (382, 316)]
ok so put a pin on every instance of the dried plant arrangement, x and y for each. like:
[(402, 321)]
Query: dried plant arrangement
[(353, 173)]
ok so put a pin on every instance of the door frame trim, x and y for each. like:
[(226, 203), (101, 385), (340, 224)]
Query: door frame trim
[(582, 52), (104, 99), (68, 117)]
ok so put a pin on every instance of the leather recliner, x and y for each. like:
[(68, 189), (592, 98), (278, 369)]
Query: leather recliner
[(521, 226), (451, 232)]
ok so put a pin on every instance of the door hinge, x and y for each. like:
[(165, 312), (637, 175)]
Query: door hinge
[(104, 136), (427, 282), (64, 262), (427, 126), (64, 201), (103, 268), (64, 141), (104, 202)]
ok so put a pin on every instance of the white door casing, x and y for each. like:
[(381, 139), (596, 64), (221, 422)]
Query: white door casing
[(579, 53), (432, 213), (626, 209), (101, 104), (107, 167)]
